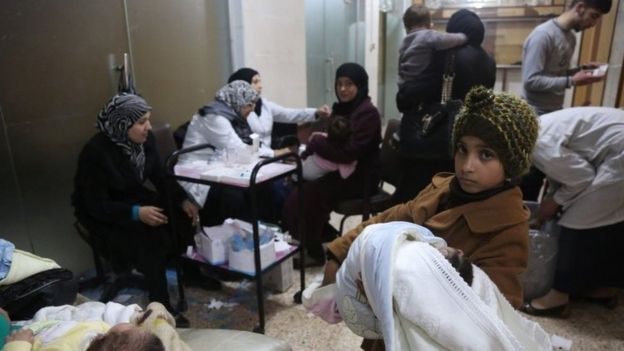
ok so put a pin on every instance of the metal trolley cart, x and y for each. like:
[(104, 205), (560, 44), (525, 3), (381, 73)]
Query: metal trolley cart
[(254, 202)]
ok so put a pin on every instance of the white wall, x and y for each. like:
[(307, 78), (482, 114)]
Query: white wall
[(513, 81), (615, 61), (269, 36), (371, 47)]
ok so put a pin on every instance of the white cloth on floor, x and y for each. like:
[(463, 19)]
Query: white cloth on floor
[(111, 312)]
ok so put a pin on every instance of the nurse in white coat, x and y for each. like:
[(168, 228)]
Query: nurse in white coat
[(581, 151), (223, 124), (266, 112)]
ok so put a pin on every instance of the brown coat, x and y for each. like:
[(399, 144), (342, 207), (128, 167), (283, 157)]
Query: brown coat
[(493, 233)]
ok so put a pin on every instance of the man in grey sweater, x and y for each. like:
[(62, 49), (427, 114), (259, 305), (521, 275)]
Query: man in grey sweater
[(548, 50)]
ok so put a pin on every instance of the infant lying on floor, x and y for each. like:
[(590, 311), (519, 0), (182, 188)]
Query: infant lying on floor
[(96, 326)]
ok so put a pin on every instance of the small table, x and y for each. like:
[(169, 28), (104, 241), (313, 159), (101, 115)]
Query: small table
[(217, 174)]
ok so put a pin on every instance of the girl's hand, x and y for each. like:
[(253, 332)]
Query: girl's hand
[(24, 334), (152, 216)]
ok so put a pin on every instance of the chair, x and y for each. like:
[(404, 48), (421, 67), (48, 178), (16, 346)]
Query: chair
[(165, 141), (121, 277), (390, 174)]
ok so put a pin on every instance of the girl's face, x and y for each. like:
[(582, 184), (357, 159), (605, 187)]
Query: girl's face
[(246, 110), (346, 89), (140, 129), (256, 83), (477, 166)]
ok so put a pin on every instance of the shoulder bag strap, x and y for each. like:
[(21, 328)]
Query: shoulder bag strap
[(448, 76)]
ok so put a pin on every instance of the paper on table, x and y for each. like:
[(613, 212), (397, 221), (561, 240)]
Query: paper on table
[(241, 175)]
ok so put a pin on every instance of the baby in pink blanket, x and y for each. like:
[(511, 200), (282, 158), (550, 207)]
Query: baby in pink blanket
[(315, 166)]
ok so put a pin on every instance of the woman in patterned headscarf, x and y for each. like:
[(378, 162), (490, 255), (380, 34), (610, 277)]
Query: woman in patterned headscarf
[(110, 198)]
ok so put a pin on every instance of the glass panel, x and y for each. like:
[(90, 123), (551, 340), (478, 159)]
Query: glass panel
[(181, 54), (334, 35)]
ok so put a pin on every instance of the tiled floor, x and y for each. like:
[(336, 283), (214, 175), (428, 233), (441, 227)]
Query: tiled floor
[(590, 327)]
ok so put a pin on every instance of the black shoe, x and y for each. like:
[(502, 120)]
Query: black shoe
[(181, 321), (561, 311)]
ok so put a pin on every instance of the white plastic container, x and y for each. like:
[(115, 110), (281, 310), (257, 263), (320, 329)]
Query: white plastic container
[(243, 261), (213, 243)]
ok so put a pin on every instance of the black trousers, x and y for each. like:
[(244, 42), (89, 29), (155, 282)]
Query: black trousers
[(590, 258), (137, 246), (320, 197), (224, 202)]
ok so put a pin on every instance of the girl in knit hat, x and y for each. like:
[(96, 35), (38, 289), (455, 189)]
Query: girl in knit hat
[(479, 209)]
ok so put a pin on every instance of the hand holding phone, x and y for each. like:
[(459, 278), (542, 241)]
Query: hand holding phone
[(600, 71)]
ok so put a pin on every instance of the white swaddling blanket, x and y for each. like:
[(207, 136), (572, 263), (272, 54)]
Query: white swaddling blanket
[(415, 299)]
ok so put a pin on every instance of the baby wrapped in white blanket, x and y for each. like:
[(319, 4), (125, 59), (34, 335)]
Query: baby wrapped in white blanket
[(415, 300)]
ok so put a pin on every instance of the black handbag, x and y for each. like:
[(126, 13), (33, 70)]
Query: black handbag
[(53, 287), (425, 133)]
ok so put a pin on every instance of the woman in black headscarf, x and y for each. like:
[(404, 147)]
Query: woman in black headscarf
[(473, 67), (110, 197), (323, 194)]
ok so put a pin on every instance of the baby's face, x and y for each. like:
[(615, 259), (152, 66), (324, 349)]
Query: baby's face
[(122, 327), (125, 328), (449, 252)]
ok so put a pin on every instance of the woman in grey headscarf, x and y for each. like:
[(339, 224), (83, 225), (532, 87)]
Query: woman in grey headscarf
[(223, 124), (110, 198)]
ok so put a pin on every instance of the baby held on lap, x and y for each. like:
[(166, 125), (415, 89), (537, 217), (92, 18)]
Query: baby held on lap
[(321, 300)]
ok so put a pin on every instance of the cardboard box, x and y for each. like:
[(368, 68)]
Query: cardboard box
[(213, 243), (243, 261), (279, 278)]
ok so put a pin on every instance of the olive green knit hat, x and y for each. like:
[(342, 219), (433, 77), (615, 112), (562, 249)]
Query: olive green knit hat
[(503, 121)]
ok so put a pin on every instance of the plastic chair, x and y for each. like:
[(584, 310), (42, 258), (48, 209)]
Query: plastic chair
[(381, 200)]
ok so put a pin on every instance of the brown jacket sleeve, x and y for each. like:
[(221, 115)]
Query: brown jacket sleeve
[(503, 259), (410, 211)]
